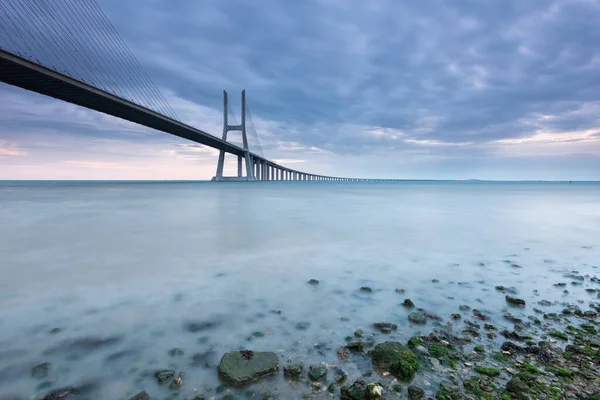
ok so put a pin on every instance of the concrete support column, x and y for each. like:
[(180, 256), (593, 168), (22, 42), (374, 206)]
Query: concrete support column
[(239, 166)]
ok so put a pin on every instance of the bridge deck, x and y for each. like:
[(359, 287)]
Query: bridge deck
[(21, 72)]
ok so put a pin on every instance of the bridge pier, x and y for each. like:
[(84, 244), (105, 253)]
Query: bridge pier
[(226, 128)]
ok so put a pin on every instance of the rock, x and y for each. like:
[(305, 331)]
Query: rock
[(163, 375), (417, 318), (70, 392), (455, 316), (41, 370), (313, 282), (241, 367), (207, 359), (385, 327), (435, 280), (302, 326), (356, 391), (356, 346), (293, 370), (464, 308), (415, 393), (317, 372), (516, 386), (514, 335), (340, 375), (515, 301), (201, 326), (87, 344), (141, 396), (448, 391), (177, 382), (374, 390), (500, 288), (400, 290), (545, 303), (408, 303), (176, 352), (479, 315), (394, 357), (487, 371), (366, 289), (359, 333), (54, 331)]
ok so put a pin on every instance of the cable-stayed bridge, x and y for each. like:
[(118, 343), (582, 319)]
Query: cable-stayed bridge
[(69, 50)]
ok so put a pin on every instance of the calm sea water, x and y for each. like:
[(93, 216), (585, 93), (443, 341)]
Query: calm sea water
[(129, 265)]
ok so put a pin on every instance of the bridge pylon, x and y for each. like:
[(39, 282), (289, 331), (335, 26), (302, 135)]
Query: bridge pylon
[(227, 128)]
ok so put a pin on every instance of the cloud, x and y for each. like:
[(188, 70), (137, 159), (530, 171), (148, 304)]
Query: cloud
[(11, 149)]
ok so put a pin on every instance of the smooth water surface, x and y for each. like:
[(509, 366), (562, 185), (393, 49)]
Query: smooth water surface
[(123, 268)]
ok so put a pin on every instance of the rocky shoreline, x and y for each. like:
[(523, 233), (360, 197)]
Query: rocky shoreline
[(545, 355)]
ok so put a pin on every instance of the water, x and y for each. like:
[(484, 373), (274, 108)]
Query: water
[(133, 263)]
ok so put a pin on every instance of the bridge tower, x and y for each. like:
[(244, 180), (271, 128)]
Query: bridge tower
[(227, 128)]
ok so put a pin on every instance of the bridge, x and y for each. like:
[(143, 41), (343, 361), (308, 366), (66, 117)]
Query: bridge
[(56, 47)]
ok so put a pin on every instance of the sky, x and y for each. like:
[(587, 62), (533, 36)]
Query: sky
[(434, 89)]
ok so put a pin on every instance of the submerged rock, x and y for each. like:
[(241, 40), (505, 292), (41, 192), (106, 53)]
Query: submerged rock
[(176, 352), (201, 326), (515, 301), (394, 357), (356, 391), (340, 375), (41, 370), (417, 318), (366, 289), (356, 346), (317, 372), (163, 375), (241, 367), (313, 282), (141, 396), (302, 326), (293, 370), (385, 327), (68, 392)]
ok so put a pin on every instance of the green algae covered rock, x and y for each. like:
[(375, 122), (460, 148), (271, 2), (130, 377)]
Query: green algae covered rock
[(241, 367), (356, 391), (395, 358)]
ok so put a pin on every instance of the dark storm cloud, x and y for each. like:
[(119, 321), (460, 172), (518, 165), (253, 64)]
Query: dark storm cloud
[(448, 71)]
